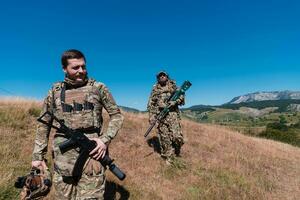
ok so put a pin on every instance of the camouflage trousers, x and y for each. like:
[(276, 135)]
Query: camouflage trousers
[(170, 135), (89, 187)]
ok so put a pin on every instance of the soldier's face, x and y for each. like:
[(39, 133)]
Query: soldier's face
[(162, 79), (76, 69)]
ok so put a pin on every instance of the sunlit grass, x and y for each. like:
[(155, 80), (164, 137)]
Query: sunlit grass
[(216, 162)]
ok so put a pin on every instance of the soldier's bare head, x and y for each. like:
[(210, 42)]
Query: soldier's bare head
[(70, 54), (73, 62)]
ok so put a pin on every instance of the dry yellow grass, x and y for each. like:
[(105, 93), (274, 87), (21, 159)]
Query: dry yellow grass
[(219, 164), (216, 162)]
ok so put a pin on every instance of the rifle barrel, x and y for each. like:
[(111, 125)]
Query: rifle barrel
[(149, 129)]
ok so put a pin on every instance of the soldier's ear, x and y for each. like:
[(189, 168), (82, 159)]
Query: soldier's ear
[(64, 69)]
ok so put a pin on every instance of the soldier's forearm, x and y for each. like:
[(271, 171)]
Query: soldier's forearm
[(114, 125), (41, 142), (39, 152)]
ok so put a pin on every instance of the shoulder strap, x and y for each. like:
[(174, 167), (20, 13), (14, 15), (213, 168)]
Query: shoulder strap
[(59, 86), (63, 93), (52, 104)]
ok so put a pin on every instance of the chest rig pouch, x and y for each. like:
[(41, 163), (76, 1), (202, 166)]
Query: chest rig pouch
[(80, 108)]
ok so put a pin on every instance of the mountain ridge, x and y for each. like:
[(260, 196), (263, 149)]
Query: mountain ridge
[(265, 96)]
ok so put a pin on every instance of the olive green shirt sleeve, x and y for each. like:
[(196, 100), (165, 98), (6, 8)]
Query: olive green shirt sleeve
[(42, 133), (116, 118)]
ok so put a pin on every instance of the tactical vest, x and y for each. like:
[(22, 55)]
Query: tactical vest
[(79, 108)]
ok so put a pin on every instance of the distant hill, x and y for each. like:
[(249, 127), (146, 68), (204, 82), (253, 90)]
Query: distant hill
[(128, 109), (283, 105), (250, 118), (200, 108), (265, 96)]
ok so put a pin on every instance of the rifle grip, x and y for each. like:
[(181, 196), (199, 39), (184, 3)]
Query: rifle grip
[(67, 145)]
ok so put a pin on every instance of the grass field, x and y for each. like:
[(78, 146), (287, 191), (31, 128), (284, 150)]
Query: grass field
[(216, 162), (248, 121)]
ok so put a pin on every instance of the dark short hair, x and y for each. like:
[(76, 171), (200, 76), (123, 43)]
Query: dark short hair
[(70, 54)]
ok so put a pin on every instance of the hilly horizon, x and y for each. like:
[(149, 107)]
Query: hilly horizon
[(246, 98), (216, 162), (256, 97), (265, 96)]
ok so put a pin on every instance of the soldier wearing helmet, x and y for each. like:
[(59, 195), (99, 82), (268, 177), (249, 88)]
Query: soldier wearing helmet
[(169, 128), (78, 101)]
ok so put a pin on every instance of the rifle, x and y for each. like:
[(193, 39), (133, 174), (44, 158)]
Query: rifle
[(181, 91), (78, 139)]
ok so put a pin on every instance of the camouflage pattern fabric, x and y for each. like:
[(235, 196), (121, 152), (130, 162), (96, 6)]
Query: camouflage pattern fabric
[(85, 114), (170, 135), (169, 128), (89, 187)]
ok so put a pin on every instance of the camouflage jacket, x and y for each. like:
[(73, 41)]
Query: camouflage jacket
[(86, 104), (160, 96)]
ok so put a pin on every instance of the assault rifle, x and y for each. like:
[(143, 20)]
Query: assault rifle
[(181, 91), (78, 139)]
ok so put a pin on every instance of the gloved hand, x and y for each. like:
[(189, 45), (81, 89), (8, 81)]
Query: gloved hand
[(152, 119), (172, 103)]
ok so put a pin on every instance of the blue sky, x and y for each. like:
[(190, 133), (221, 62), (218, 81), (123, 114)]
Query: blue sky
[(225, 48)]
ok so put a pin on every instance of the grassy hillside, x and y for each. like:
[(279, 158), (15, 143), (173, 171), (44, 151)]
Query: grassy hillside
[(282, 105), (251, 120), (240, 111), (216, 163)]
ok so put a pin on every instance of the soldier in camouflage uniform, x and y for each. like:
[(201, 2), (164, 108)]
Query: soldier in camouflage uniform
[(169, 128), (78, 101)]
